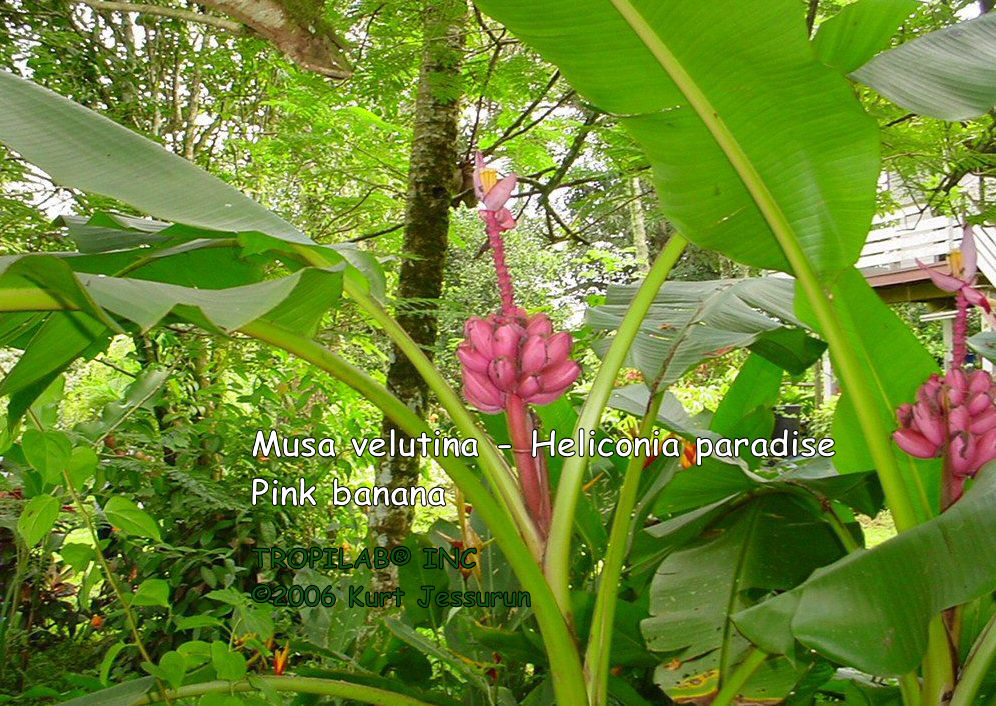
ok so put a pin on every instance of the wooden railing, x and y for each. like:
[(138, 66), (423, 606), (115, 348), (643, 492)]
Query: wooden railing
[(902, 238)]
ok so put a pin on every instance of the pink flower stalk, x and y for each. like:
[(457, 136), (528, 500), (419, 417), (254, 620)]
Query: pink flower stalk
[(953, 417), (961, 282), (510, 360), (492, 195)]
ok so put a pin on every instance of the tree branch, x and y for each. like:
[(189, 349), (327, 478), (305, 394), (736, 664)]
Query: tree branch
[(480, 98), (513, 131), (313, 45), (174, 12), (385, 231), (310, 43)]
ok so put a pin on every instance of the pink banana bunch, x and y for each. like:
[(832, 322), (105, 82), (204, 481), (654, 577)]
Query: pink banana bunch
[(515, 355), (953, 417), (511, 360)]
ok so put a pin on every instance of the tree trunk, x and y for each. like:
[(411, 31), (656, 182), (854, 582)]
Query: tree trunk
[(639, 225), (431, 171)]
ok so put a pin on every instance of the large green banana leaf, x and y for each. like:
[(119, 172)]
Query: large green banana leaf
[(852, 36), (80, 149), (210, 267), (749, 135), (110, 244), (870, 610), (696, 497), (948, 74), (144, 303), (98, 305), (763, 543), (692, 321)]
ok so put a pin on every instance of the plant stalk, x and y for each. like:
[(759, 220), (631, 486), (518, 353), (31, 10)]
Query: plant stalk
[(558, 549), (298, 685), (741, 674), (12, 600), (977, 666), (909, 689), (844, 536), (101, 560), (600, 639), (938, 668), (855, 378)]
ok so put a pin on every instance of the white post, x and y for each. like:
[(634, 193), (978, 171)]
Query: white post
[(947, 326), (946, 318), (828, 380)]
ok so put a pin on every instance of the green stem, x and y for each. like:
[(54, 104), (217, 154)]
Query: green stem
[(129, 616), (740, 675), (490, 458), (298, 685), (938, 670), (977, 666), (12, 600), (558, 548), (909, 689), (600, 639), (847, 540), (561, 650)]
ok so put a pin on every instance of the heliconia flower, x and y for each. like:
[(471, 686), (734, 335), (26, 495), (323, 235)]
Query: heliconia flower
[(954, 417), (964, 268), (688, 458), (501, 357), (493, 194), (280, 659)]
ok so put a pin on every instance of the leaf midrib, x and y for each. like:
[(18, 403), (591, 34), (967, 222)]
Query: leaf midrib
[(745, 547)]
